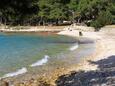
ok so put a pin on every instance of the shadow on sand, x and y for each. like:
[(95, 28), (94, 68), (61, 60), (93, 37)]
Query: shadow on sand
[(105, 76)]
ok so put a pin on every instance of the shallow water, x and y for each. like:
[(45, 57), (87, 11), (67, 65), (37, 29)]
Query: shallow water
[(18, 51)]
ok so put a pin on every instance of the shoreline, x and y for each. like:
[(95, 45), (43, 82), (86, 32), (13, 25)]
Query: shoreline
[(98, 69), (101, 52), (32, 29), (44, 28), (56, 70)]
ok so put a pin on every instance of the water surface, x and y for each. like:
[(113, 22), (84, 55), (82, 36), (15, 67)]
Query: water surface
[(22, 50)]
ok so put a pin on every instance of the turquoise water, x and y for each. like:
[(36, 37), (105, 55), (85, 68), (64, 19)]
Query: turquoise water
[(22, 50)]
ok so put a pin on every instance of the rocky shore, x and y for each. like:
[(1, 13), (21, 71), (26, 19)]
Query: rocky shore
[(98, 69)]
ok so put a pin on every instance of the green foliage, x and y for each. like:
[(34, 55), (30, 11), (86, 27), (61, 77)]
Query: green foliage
[(23, 11), (99, 12), (104, 18), (73, 5), (17, 10)]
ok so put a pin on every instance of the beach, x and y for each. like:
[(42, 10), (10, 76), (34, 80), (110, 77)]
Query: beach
[(87, 68), (97, 69), (57, 43), (31, 28), (102, 51)]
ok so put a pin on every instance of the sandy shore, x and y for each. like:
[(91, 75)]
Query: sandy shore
[(32, 28), (43, 28), (99, 68), (104, 48), (102, 51)]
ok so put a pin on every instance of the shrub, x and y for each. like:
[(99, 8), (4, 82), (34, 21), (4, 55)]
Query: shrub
[(104, 18)]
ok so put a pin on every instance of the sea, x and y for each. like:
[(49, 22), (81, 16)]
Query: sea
[(20, 52)]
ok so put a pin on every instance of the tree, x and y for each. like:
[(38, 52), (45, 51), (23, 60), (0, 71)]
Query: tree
[(73, 10), (53, 11), (104, 18), (89, 9), (45, 7), (58, 10), (98, 12), (18, 10)]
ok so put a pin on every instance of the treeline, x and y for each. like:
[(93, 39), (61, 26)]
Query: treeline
[(95, 13)]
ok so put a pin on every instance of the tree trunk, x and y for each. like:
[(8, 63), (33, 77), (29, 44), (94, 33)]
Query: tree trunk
[(79, 20)]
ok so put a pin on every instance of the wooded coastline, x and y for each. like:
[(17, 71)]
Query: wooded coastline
[(96, 13)]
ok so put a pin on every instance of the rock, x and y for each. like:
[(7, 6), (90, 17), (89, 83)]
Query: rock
[(4, 83)]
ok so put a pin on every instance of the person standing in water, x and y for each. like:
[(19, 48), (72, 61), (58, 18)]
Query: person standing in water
[(80, 33)]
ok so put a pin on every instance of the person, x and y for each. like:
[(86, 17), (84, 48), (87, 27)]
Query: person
[(80, 33)]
